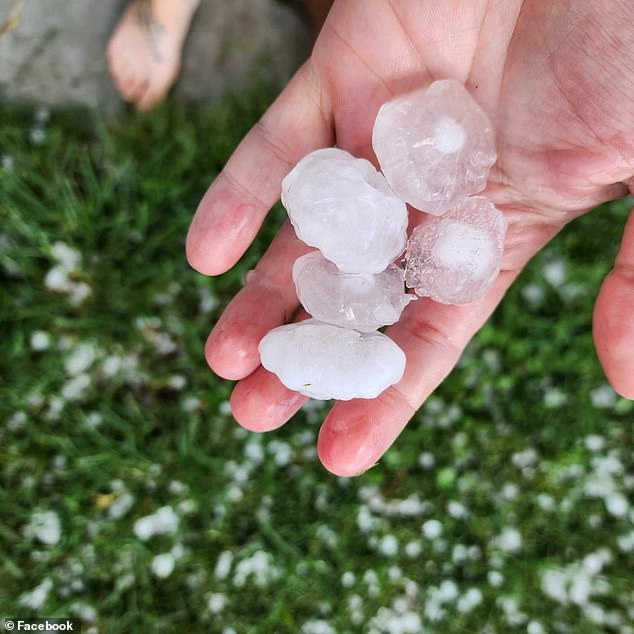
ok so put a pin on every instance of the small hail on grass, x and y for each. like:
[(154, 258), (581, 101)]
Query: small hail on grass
[(122, 502), (389, 621), (177, 382), (191, 404), (223, 565), (81, 357), (163, 342), (426, 460), (326, 535), (224, 408), (163, 521), (234, 493), (371, 579), (76, 387), (163, 565), (36, 598), (7, 162), (45, 526), (509, 540), (461, 553), (40, 340), (594, 442), (93, 420), (457, 510), (554, 397), (626, 542), (432, 529), (495, 578), (533, 294), (413, 548), (259, 567), (208, 302), (355, 609), (16, 421), (61, 278), (470, 600), (525, 458), (37, 135), (511, 611), (216, 602), (281, 451), (603, 397), (535, 627), (175, 487), (317, 626), (555, 272), (579, 581), (388, 545)]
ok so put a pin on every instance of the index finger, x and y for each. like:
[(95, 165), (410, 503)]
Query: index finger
[(231, 212)]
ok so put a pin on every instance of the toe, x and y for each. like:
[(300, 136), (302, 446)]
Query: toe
[(149, 99), (143, 97)]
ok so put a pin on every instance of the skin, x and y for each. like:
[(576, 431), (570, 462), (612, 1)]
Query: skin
[(555, 78), (144, 52)]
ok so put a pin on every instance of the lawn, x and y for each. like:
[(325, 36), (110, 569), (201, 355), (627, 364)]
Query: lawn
[(131, 499)]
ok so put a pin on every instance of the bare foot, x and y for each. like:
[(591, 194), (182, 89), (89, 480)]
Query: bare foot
[(144, 52)]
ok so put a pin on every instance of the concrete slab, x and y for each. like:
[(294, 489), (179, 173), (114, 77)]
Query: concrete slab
[(55, 54)]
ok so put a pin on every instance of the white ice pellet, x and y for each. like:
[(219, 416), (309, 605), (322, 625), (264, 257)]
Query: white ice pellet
[(163, 565), (45, 527), (454, 258), (325, 361), (344, 207), (362, 301), (435, 146)]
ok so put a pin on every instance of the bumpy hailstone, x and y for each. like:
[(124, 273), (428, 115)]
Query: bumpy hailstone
[(435, 146), (454, 258), (325, 361), (363, 301), (344, 207)]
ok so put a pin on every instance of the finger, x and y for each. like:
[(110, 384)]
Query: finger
[(357, 433), (233, 208), (261, 403), (613, 324), (268, 300)]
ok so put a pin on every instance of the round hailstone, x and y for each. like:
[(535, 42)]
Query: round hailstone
[(435, 146), (454, 258), (362, 301), (344, 207), (325, 361)]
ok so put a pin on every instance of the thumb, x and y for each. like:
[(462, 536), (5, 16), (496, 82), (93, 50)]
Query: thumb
[(613, 319)]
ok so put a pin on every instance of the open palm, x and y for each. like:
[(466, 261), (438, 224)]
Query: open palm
[(554, 79)]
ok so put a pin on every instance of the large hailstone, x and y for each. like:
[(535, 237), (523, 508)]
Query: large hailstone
[(435, 146), (454, 258), (325, 361), (344, 207), (363, 301)]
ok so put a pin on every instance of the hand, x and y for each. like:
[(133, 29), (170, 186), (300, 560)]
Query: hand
[(555, 79)]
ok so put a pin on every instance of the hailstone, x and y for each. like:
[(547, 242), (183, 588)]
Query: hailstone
[(454, 258), (435, 146), (344, 207), (325, 361), (363, 301)]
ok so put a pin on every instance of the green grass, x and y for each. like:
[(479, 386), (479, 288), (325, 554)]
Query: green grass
[(147, 423)]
